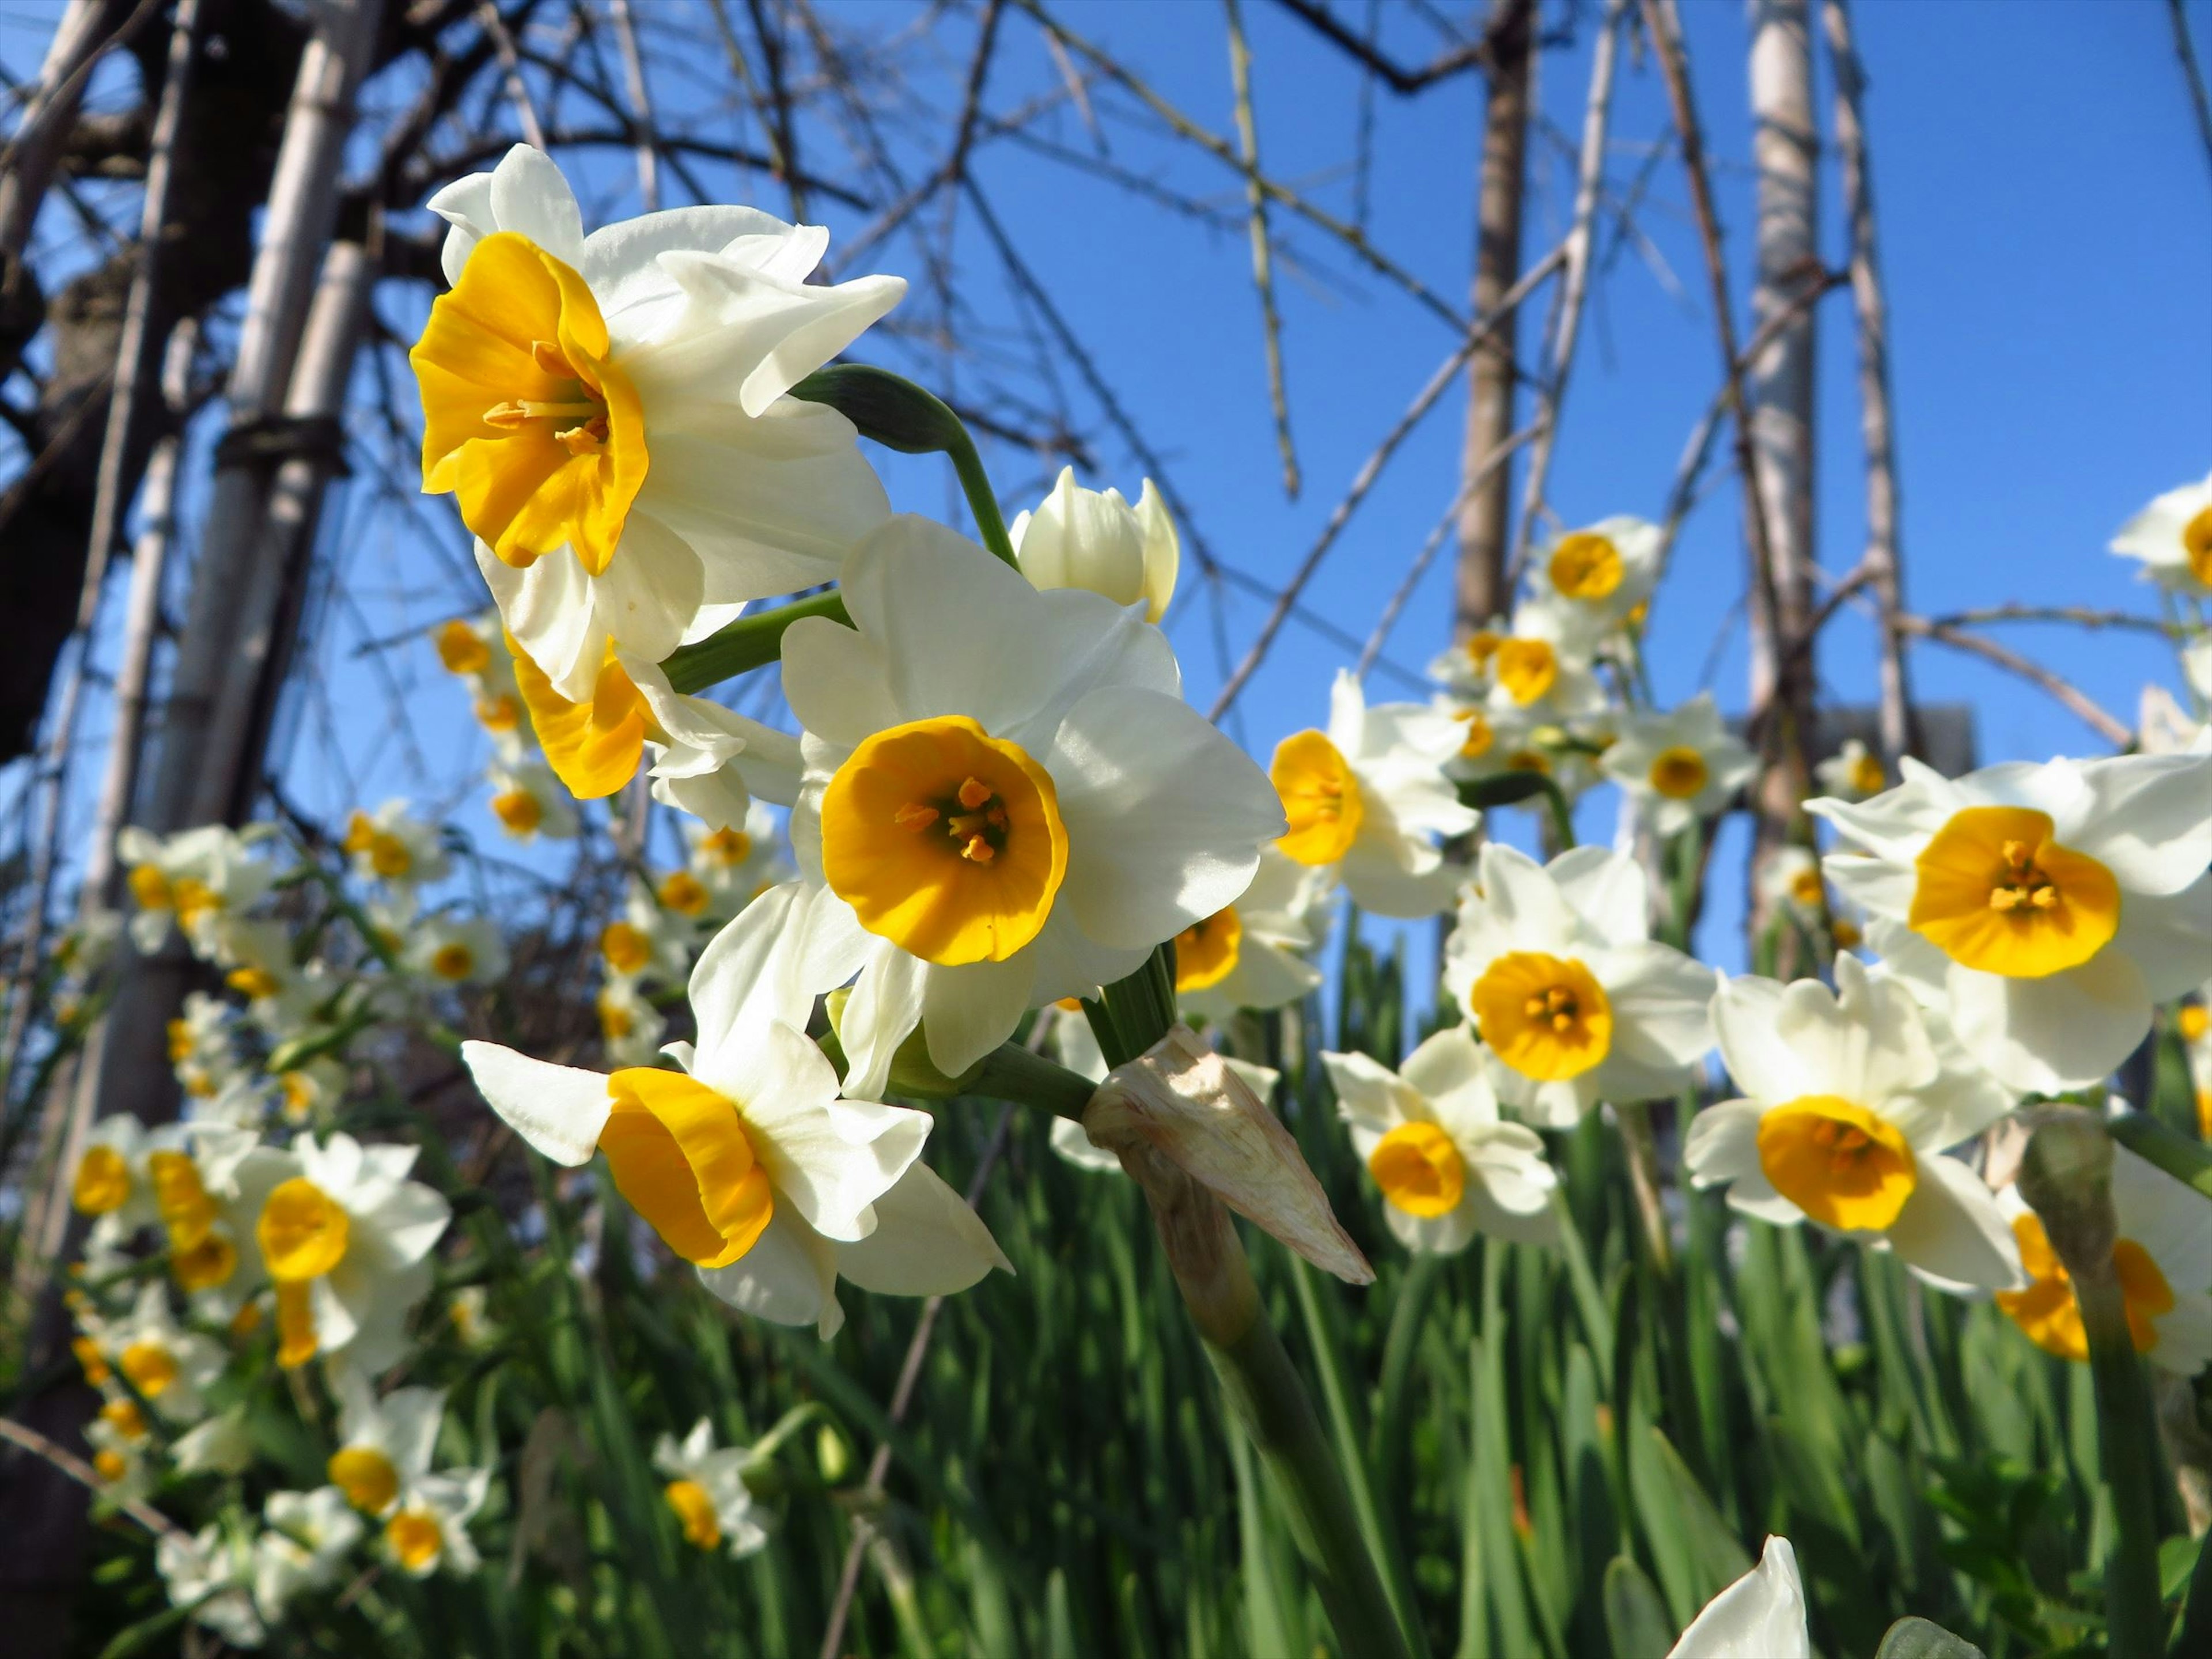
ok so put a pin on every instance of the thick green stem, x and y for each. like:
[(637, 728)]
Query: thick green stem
[(1642, 1146), (745, 644)]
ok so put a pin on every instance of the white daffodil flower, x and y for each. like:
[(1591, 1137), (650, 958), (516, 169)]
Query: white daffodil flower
[(428, 1531), (748, 1164), (167, 1365), (445, 950), (1909, 960), (529, 802), (192, 878), (308, 1089), (2163, 1257), (2068, 898), (1253, 953), (610, 412), (111, 1184), (1792, 879), (707, 1491), (1366, 797), (630, 1027), (1854, 772), (1431, 1136), (1574, 1000), (219, 1445), (384, 1445), (347, 1239), (120, 1441), (1597, 577), (1681, 766), (650, 939), (1845, 1117), (1085, 539), (211, 1574), (1542, 669), (1467, 667), (1760, 1616), (2172, 537), (389, 846), (306, 1539), (1007, 800), (256, 954), (736, 864)]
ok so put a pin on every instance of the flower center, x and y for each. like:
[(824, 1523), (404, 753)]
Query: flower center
[(1995, 893), (1480, 646), (1529, 760), (1679, 773), (615, 1020), (2192, 1022), (462, 649), (149, 887), (1528, 669), (1481, 734), (625, 948), (1838, 1162), (2047, 1311), (454, 961), (204, 1264), (149, 1365), (499, 711), (366, 1476), (681, 1157), (415, 1539), (181, 1197), (1868, 776), (386, 853), (2196, 543), (683, 893), (86, 1351), (110, 1465), (593, 747), (194, 898), (518, 809), (526, 420), (1546, 1016), (103, 1182), (727, 848), (253, 983), (1320, 797), (1586, 567), (945, 839), (302, 1231), (1206, 951), (125, 1417), (697, 1512), (1418, 1169), (1805, 887)]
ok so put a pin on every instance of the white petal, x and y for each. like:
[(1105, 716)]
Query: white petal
[(788, 1277), (830, 1159), (1608, 889), (651, 589), (884, 1006), (1661, 1002), (529, 195), (1951, 1227), (558, 1110), (1760, 1616), (2065, 1032), (621, 261), (1165, 817), (1746, 1013), (1383, 886), (1723, 1143), (750, 973), (2152, 822), (926, 1243), (2169, 937), (1369, 1094), (967, 1012)]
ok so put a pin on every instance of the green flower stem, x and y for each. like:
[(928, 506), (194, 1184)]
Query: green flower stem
[(1642, 1146), (2189, 1162), (1262, 1388), (746, 643)]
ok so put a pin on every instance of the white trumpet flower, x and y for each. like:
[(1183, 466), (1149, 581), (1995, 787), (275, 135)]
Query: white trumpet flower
[(2067, 899), (2172, 537), (707, 1491), (1845, 1115), (1574, 1000), (529, 802), (210, 1574), (1366, 797), (1431, 1136), (1681, 766), (168, 1366), (1597, 577), (456, 951), (1007, 800), (384, 1445), (1542, 669), (1760, 1616), (307, 1537), (1253, 953), (748, 1164), (1854, 772), (1087, 538), (428, 1531), (610, 412), (390, 846), (193, 878)]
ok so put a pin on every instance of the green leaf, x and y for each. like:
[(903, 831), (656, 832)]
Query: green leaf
[(1916, 1638), (1636, 1619)]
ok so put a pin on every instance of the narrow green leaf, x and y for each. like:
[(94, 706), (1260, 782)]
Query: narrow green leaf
[(1636, 1620), (1917, 1638)]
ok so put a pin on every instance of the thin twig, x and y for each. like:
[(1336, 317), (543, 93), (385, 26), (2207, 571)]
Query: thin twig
[(1263, 276), (640, 97), (510, 61), (85, 1475), (2191, 73), (1402, 80), (2114, 731)]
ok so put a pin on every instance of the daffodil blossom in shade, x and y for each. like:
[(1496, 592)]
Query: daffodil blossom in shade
[(609, 412), (1542, 667), (1760, 1616), (392, 846), (428, 1531), (1574, 1001), (1006, 800), (1595, 578), (531, 803), (747, 1163), (1853, 773), (220, 1444), (1431, 1139), (2162, 1257), (384, 1445), (1095, 539), (1367, 798), (166, 1366), (346, 1237), (1253, 953), (2067, 898), (191, 879), (306, 1541), (456, 951), (210, 1574), (707, 1491), (2172, 537), (735, 865), (1844, 1119), (1678, 767)]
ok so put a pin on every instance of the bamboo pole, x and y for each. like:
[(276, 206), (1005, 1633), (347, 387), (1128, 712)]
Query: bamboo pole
[(28, 165)]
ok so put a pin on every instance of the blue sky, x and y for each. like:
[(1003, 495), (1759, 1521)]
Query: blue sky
[(2043, 214)]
